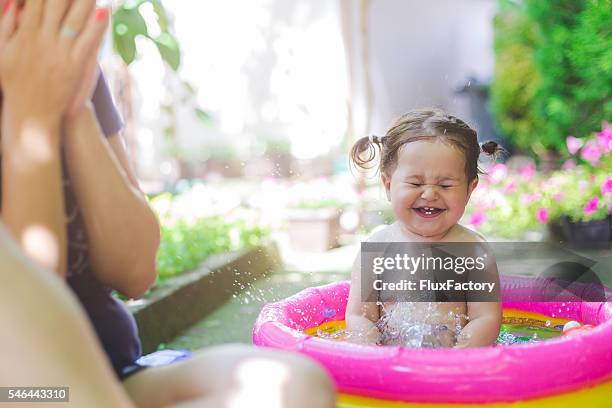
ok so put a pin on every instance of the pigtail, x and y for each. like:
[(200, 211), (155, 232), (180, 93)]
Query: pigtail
[(363, 152), (492, 149)]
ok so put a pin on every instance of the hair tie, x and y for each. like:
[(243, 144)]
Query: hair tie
[(375, 139)]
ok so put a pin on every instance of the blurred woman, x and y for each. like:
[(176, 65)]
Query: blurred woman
[(70, 199)]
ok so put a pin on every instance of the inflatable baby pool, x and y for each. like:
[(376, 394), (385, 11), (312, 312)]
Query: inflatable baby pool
[(564, 371)]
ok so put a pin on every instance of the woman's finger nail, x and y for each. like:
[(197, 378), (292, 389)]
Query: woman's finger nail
[(7, 6), (101, 13)]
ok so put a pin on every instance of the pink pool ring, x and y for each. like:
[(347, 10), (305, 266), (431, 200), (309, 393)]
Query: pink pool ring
[(438, 376)]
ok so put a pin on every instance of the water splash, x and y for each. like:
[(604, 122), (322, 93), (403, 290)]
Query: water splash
[(403, 325)]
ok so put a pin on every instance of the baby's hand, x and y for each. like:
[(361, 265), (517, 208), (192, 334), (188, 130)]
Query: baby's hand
[(483, 326), (371, 336), (361, 330), (442, 336)]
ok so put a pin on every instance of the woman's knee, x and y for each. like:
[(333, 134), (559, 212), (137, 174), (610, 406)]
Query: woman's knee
[(241, 373), (310, 385)]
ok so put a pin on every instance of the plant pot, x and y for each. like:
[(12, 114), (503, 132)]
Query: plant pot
[(314, 230), (590, 234)]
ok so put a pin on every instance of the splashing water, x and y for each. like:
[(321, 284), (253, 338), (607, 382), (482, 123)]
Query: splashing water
[(397, 328), (403, 325)]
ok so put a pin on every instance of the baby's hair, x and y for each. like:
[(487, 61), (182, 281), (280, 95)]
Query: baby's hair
[(423, 124)]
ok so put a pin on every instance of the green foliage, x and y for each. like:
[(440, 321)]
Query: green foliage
[(515, 77), (574, 59), (189, 238), (553, 70), (128, 23), (185, 245)]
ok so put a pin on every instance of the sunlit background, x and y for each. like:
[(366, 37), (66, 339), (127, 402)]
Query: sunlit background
[(247, 110)]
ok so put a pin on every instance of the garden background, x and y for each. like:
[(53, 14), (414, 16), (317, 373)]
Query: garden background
[(239, 116)]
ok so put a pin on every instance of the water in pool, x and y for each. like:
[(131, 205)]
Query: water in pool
[(513, 331)]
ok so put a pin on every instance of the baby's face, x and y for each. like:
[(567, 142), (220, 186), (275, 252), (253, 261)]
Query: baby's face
[(428, 188)]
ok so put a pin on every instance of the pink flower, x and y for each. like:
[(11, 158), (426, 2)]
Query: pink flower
[(498, 173), (604, 138), (591, 206), (569, 164), (542, 215), (528, 171), (559, 196), (530, 198), (590, 152), (510, 187), (606, 187), (477, 218), (573, 144)]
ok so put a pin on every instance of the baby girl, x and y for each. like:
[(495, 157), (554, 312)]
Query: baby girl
[(429, 168)]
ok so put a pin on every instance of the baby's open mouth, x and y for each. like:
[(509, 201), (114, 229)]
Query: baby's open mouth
[(429, 212)]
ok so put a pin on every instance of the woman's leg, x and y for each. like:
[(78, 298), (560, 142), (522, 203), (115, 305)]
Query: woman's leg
[(46, 338), (234, 376), (49, 342)]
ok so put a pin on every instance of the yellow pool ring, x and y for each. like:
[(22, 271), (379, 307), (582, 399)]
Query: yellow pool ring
[(599, 396)]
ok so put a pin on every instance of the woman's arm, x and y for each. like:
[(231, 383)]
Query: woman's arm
[(122, 231), (39, 72), (32, 193)]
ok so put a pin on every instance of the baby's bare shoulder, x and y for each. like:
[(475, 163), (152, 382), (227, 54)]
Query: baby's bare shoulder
[(459, 233), (382, 233)]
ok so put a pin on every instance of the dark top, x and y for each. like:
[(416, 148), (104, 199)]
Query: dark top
[(114, 325)]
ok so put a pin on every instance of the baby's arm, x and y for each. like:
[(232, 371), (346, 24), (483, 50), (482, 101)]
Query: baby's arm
[(360, 316), (483, 326), (485, 318)]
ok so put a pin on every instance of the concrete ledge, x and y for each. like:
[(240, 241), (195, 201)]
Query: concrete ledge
[(187, 298)]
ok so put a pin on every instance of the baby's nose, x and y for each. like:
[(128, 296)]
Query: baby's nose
[(429, 193)]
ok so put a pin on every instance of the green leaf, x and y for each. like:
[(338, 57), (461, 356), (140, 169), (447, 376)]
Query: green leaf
[(133, 4), (169, 49), (129, 21), (203, 115), (162, 16), (125, 45), (127, 24)]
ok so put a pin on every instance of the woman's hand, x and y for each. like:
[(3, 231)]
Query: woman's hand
[(90, 72), (46, 59)]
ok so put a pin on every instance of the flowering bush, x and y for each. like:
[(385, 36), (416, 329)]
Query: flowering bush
[(199, 223), (508, 203)]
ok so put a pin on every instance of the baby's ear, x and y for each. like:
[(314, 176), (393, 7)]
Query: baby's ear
[(472, 187), (386, 180)]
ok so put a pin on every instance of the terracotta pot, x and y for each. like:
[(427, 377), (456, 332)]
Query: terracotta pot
[(314, 230)]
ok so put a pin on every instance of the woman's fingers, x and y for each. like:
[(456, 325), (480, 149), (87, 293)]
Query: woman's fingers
[(8, 24), (32, 15), (85, 52), (76, 19), (88, 43), (55, 11)]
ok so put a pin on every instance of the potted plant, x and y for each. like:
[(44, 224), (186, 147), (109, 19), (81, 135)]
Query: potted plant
[(575, 201), (313, 214), (581, 204)]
